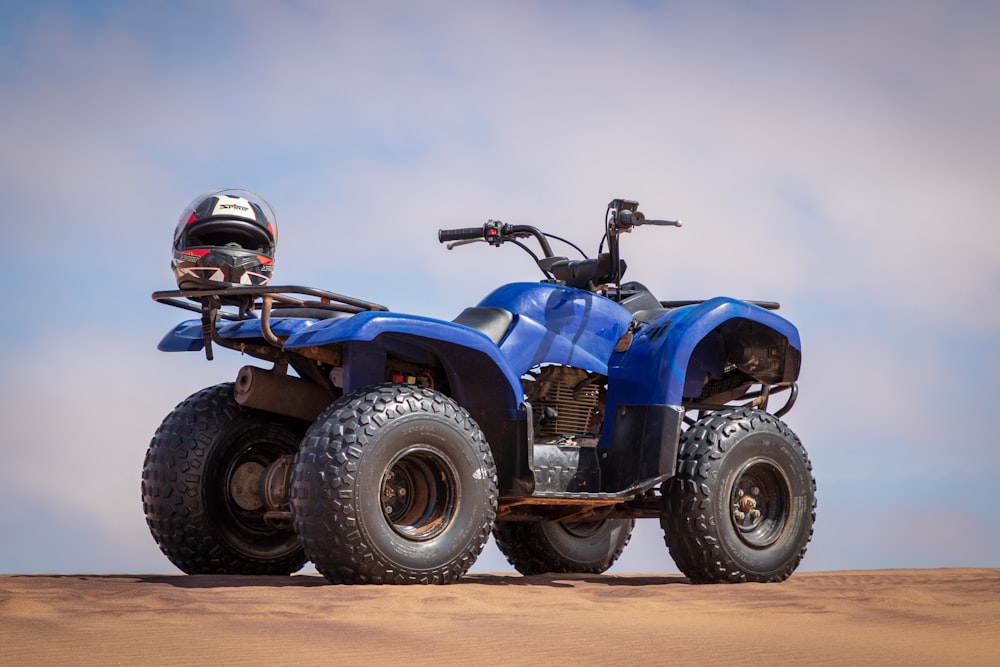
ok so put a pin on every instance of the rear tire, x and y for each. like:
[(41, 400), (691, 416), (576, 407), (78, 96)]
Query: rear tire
[(394, 484), (537, 547), (200, 492), (742, 504)]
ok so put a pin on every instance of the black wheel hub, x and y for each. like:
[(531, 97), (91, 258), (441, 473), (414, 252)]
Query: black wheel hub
[(419, 493), (759, 503)]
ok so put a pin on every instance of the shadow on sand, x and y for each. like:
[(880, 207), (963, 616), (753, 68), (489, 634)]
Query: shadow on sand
[(202, 581)]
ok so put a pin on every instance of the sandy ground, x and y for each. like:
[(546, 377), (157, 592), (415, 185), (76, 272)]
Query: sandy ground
[(911, 617)]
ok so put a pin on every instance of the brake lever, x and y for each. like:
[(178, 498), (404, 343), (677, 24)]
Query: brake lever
[(455, 244)]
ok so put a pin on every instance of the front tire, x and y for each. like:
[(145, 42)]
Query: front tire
[(394, 484), (742, 504), (200, 486), (537, 547)]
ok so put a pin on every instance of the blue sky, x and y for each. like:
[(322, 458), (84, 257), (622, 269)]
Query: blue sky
[(841, 158)]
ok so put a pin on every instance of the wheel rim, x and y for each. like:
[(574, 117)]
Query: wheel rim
[(419, 493), (759, 503)]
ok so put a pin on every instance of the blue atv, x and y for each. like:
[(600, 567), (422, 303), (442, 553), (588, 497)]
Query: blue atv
[(386, 447)]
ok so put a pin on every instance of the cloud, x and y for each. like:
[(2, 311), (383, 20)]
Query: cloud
[(827, 175)]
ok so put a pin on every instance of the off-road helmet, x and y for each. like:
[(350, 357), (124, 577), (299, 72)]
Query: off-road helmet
[(225, 237)]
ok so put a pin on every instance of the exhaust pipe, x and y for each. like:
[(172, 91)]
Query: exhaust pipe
[(285, 395)]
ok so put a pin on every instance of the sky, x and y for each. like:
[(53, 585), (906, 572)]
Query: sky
[(840, 158)]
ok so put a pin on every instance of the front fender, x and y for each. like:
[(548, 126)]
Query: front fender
[(655, 368)]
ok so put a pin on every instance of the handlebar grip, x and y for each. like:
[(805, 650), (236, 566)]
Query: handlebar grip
[(466, 234)]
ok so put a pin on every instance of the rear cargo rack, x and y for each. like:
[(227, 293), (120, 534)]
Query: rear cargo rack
[(247, 298)]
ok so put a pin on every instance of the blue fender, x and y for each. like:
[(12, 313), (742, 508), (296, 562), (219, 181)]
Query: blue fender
[(184, 337), (187, 336), (654, 369), (482, 377)]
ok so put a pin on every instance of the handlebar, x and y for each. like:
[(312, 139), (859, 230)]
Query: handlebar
[(495, 233), (466, 234), (622, 216), (626, 219)]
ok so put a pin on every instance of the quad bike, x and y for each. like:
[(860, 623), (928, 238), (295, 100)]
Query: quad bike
[(386, 447)]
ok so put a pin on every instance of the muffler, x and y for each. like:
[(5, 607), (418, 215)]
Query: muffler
[(283, 394)]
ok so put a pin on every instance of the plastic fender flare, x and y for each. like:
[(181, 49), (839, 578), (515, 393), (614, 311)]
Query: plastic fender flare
[(653, 370), (187, 335), (184, 337), (446, 340)]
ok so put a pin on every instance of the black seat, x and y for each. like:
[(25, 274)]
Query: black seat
[(636, 297), (492, 321)]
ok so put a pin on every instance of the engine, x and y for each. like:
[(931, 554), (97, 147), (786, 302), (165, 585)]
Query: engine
[(567, 404)]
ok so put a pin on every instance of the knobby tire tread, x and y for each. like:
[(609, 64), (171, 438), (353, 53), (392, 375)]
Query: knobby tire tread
[(173, 497), (325, 515), (690, 527), (528, 548)]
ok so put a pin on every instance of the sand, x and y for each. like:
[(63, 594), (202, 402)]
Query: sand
[(883, 617)]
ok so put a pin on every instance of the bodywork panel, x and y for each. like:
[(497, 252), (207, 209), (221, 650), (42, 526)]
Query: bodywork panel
[(654, 369), (559, 325)]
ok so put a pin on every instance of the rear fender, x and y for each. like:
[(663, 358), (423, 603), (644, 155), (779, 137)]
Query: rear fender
[(187, 336), (479, 376)]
